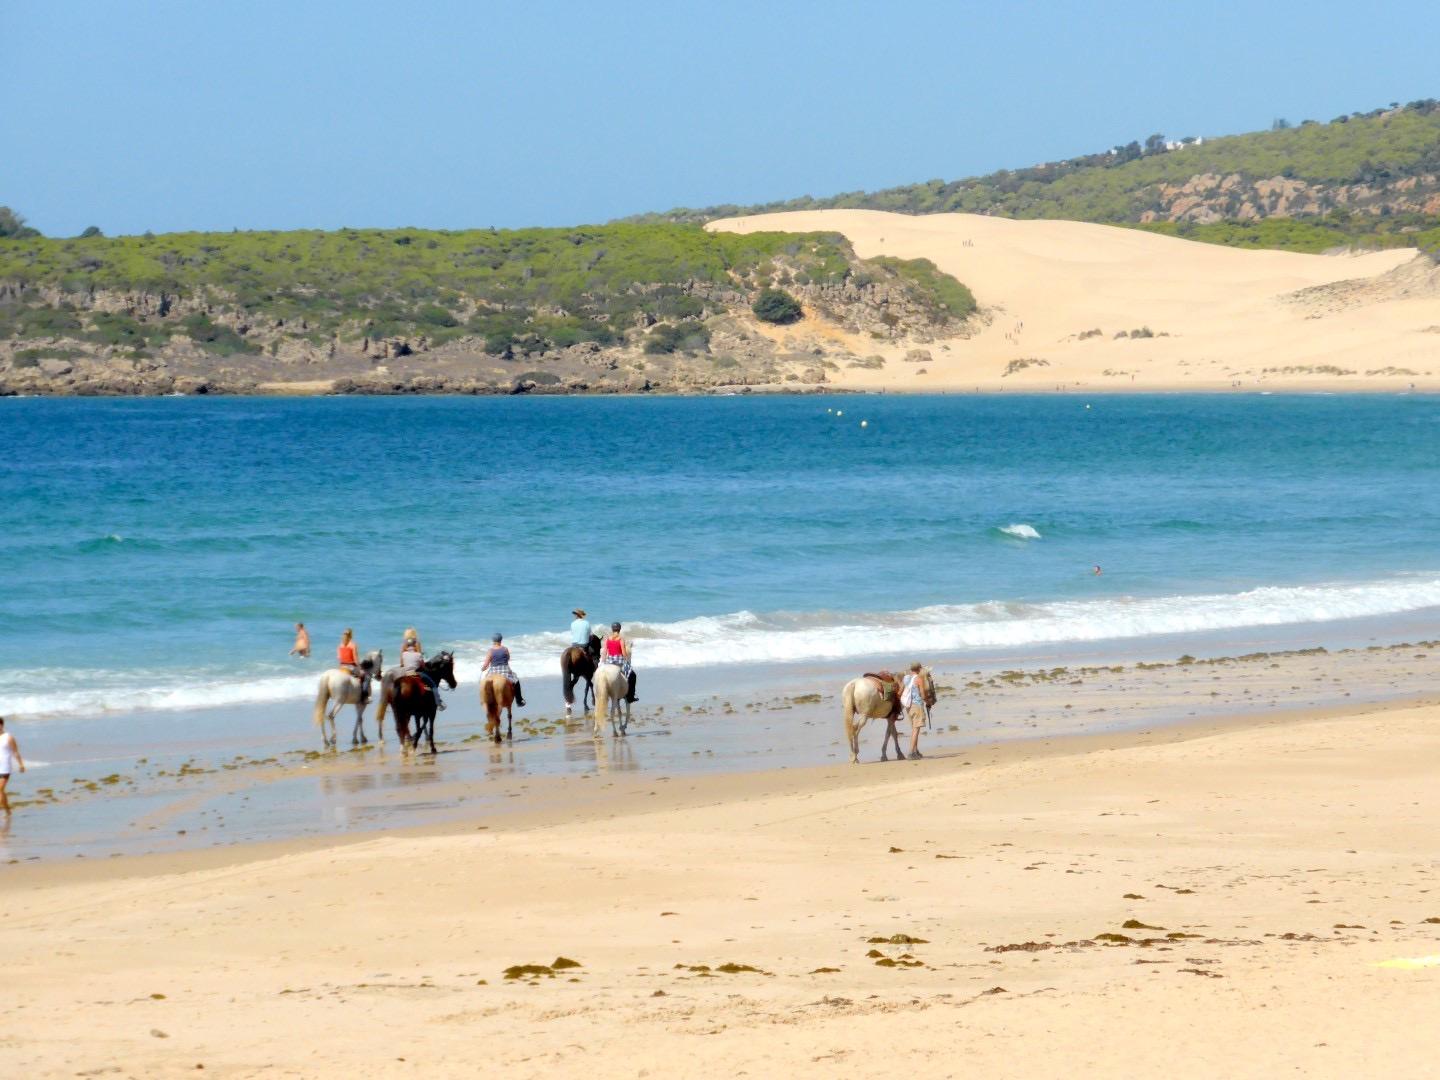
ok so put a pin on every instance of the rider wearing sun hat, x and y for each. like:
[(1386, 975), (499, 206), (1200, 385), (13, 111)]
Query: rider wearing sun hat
[(497, 662), (580, 629)]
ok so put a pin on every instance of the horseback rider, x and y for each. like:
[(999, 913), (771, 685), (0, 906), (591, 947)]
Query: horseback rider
[(580, 629), (412, 662), (616, 650), (348, 654), (497, 662)]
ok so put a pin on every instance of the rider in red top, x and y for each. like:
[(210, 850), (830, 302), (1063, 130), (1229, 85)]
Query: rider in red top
[(616, 650)]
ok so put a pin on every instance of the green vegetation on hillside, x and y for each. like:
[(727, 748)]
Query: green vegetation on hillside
[(953, 297), (520, 290), (1313, 235), (1369, 172)]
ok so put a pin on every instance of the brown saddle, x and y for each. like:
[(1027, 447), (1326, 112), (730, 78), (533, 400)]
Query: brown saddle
[(885, 680)]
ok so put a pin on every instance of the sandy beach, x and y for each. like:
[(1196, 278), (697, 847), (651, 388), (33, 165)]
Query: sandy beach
[(1093, 904), (1057, 296)]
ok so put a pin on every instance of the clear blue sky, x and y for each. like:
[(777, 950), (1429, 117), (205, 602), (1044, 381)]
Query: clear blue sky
[(202, 114)]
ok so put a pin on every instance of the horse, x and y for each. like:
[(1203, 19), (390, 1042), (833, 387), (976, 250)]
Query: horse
[(339, 685), (611, 696), (863, 700), (412, 699), (578, 662), (496, 693)]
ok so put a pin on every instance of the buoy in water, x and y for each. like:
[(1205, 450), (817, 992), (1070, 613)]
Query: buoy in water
[(864, 423), (840, 412)]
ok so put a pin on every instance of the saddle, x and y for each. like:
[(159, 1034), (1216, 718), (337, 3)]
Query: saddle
[(886, 681)]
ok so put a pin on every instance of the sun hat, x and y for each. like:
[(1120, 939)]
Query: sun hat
[(578, 612)]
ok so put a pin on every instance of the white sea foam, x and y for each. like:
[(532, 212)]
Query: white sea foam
[(747, 637), (1020, 531)]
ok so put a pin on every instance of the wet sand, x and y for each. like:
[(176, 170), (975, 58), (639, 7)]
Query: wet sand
[(1237, 896), (251, 775)]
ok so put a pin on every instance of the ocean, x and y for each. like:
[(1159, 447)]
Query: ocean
[(158, 551)]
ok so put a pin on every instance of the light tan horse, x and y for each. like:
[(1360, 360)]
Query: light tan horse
[(497, 693), (339, 686), (612, 695), (862, 700)]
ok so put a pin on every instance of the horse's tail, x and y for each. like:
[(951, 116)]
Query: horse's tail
[(386, 686), (567, 680), (322, 698), (847, 713), (602, 698)]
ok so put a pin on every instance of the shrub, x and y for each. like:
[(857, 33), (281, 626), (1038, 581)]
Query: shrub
[(215, 338), (677, 337), (433, 315), (777, 306)]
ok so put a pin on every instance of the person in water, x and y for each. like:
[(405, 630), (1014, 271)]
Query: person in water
[(301, 648), (616, 650), (348, 654), (412, 662), (497, 662), (10, 761), (580, 629)]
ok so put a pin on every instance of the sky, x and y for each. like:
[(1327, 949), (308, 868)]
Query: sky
[(173, 115)]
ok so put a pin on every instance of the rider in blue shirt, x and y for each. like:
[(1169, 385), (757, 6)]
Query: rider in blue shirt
[(580, 629)]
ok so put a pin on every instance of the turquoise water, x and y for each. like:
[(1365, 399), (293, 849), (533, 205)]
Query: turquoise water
[(158, 551)]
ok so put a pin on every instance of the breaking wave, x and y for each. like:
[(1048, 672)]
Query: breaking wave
[(1020, 531), (781, 637)]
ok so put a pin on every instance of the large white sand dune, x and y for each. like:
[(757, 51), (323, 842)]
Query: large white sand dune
[(1220, 315)]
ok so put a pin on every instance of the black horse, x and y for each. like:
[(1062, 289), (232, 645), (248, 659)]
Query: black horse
[(576, 663), (412, 699)]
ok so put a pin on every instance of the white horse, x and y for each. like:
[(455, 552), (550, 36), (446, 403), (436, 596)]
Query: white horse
[(863, 700), (339, 686), (612, 692)]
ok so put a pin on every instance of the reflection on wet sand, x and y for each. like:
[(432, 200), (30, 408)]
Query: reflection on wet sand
[(201, 794)]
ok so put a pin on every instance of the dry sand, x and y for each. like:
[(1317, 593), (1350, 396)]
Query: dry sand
[(1221, 315), (1275, 864)]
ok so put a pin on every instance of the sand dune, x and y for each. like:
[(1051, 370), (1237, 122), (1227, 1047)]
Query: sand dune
[(1220, 315)]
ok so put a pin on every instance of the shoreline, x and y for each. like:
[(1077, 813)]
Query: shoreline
[(1334, 385), (242, 780)]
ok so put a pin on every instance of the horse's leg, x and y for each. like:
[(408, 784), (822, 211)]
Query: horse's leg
[(625, 720), (509, 722), (568, 679), (893, 733), (852, 733)]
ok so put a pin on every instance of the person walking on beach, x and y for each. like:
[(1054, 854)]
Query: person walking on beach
[(10, 761), (497, 662), (616, 650), (301, 647), (912, 697)]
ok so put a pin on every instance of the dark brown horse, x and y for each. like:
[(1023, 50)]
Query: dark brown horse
[(576, 663), (412, 699)]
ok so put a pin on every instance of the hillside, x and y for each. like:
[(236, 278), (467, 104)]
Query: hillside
[(1071, 306), (614, 307), (1370, 179)]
